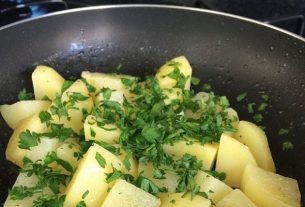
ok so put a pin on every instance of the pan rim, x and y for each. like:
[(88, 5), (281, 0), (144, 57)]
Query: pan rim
[(105, 7)]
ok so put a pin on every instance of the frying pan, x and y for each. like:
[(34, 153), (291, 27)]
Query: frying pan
[(231, 53)]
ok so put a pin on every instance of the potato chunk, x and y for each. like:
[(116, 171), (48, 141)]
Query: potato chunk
[(132, 160), (267, 189), (45, 146), (24, 180), (96, 130), (255, 138), (13, 152), (14, 113), (235, 199), (90, 177), (232, 159), (170, 182), (66, 151), (77, 103), (124, 194), (112, 81), (184, 68), (46, 82), (214, 188), (206, 153), (178, 200)]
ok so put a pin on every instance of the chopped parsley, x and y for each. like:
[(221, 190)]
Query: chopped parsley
[(81, 204), (28, 139), (100, 159), (241, 97), (24, 95), (283, 131), (287, 146), (195, 81)]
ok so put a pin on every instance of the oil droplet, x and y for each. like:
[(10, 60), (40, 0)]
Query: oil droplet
[(245, 66), (300, 51), (271, 49), (287, 54)]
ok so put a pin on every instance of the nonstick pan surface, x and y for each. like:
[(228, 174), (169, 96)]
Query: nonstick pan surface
[(233, 54)]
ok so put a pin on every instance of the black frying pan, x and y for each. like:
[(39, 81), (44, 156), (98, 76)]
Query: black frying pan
[(233, 54)]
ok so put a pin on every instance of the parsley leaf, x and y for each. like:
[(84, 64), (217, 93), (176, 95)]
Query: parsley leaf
[(45, 117), (81, 204), (66, 85), (24, 95), (126, 160), (49, 201), (287, 145), (100, 159), (195, 81), (148, 185), (283, 131), (28, 139), (241, 96)]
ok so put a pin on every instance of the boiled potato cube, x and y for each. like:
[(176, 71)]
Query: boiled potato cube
[(184, 68), (170, 182), (179, 200), (95, 130), (13, 152), (255, 138), (112, 81), (235, 199), (46, 82), (90, 177), (267, 189), (75, 110), (66, 151), (14, 113), (232, 159), (206, 153), (214, 188), (24, 180), (133, 163), (45, 146), (124, 194)]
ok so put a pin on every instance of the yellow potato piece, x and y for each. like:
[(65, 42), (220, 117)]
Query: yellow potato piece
[(24, 180), (14, 113), (112, 81), (13, 152), (184, 68), (75, 112), (90, 177), (235, 199), (133, 163), (214, 188), (109, 133), (267, 189), (46, 82), (66, 151), (256, 139), (207, 152), (170, 182), (124, 194), (178, 200), (45, 146), (232, 159)]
